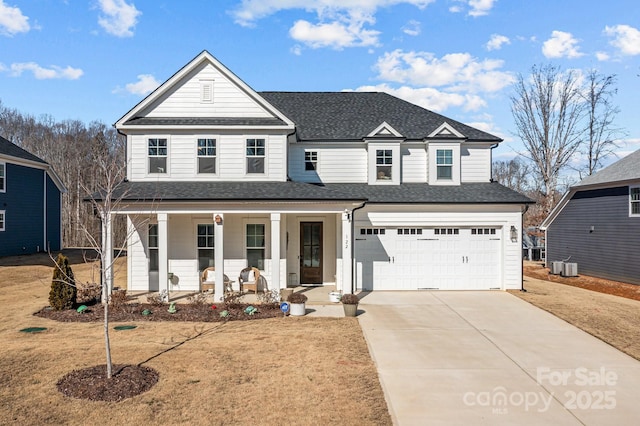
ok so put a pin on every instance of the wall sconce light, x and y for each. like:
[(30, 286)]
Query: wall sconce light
[(514, 234), (593, 228), (218, 219)]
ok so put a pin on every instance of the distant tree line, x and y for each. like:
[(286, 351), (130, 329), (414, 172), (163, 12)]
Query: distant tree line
[(70, 147)]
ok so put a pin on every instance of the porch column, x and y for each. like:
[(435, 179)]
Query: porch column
[(163, 253), (107, 257), (275, 251), (347, 262), (218, 253)]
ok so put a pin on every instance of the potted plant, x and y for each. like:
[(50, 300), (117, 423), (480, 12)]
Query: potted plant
[(297, 301), (350, 304)]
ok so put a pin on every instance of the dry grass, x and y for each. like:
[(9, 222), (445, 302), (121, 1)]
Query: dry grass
[(612, 319), (276, 371)]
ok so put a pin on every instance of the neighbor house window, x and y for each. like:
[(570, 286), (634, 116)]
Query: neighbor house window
[(384, 162), (255, 245), (311, 161), (157, 155), (3, 177), (205, 246), (153, 247), (444, 163), (634, 199), (2, 220), (255, 155), (206, 155)]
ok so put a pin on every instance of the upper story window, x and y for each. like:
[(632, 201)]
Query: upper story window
[(153, 247), (3, 177), (310, 161), (2, 220), (206, 155), (255, 155), (634, 201), (206, 241), (444, 163), (157, 155), (384, 163)]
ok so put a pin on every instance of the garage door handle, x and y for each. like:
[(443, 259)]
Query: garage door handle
[(465, 259), (392, 259)]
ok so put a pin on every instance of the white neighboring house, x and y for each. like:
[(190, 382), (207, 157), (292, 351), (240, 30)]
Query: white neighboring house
[(363, 191)]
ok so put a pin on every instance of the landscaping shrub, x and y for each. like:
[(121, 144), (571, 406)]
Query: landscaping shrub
[(63, 286)]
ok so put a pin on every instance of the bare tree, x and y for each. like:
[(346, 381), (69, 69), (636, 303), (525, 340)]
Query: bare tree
[(548, 108), (601, 133), (514, 174)]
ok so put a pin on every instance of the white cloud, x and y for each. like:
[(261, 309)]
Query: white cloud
[(626, 39), (476, 7), (12, 21), (430, 98), (146, 84), (118, 18), (602, 56), (412, 28), (41, 73), (340, 23), (497, 41), (456, 71), (561, 45)]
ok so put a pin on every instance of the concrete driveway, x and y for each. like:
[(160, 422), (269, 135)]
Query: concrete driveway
[(490, 358)]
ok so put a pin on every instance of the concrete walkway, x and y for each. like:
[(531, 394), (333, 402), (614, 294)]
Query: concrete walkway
[(468, 358)]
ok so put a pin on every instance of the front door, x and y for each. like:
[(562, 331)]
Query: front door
[(311, 253)]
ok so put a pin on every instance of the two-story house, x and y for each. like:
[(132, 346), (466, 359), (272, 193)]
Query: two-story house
[(30, 203), (358, 190)]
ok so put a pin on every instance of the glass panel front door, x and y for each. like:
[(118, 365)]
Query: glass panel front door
[(311, 253)]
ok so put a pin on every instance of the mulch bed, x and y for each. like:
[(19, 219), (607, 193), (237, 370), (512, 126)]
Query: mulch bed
[(601, 285), (184, 312)]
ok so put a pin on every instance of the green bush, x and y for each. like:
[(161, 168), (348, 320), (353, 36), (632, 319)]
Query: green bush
[(63, 286)]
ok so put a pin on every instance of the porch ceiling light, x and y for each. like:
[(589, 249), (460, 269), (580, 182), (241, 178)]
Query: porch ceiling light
[(218, 219)]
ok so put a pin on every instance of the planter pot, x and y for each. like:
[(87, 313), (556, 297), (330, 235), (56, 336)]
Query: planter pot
[(334, 297), (350, 310), (298, 309)]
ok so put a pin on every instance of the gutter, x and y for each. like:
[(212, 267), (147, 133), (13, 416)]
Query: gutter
[(353, 239)]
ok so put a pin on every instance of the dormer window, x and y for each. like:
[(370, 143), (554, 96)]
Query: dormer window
[(444, 163), (311, 161), (157, 155), (206, 155), (384, 163)]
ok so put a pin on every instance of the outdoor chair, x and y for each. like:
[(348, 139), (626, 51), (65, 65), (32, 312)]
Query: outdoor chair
[(249, 279), (208, 280)]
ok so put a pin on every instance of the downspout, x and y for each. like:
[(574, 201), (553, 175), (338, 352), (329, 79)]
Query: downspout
[(495, 145), (353, 250), (44, 208), (526, 208)]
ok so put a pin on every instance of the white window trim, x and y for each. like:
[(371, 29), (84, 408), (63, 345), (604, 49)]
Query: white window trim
[(4, 176), (3, 223), (631, 202), (149, 137), (197, 167), (433, 163), (396, 161), (265, 156), (197, 247), (267, 237), (317, 161), (149, 246)]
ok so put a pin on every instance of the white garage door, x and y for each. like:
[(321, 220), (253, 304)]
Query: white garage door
[(444, 258)]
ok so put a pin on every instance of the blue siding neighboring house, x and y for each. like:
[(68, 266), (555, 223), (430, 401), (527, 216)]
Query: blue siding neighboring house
[(597, 223), (30, 203)]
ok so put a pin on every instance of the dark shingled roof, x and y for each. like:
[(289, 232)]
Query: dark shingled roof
[(13, 150), (205, 121), (628, 168), (354, 115), (407, 193)]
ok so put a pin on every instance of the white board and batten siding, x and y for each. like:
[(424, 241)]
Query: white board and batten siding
[(228, 100), (437, 249)]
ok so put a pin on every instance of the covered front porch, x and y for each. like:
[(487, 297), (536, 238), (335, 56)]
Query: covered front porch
[(169, 249)]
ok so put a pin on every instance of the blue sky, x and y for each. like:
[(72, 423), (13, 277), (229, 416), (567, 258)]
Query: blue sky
[(94, 60)]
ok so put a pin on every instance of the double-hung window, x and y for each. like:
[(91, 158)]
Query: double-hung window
[(634, 201), (444, 163), (255, 245), (206, 155), (206, 241), (153, 247), (157, 155), (384, 163), (255, 155), (310, 161), (3, 220), (3, 177)]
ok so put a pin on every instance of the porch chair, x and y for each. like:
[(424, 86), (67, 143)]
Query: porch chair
[(249, 279), (208, 280)]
